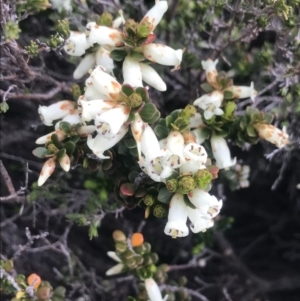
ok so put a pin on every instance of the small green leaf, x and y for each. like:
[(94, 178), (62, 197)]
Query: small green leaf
[(133, 152), (130, 143), (65, 126), (132, 176), (164, 195), (129, 42), (228, 95), (70, 147), (207, 88), (251, 131), (148, 112), (74, 139), (118, 55), (54, 139), (61, 154), (40, 152), (127, 90), (122, 149), (188, 202), (268, 118), (143, 92), (161, 131), (137, 56), (154, 118)]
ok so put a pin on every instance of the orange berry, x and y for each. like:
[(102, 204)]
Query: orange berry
[(34, 278), (137, 239)]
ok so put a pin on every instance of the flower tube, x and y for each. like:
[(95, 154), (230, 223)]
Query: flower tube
[(76, 44), (243, 91), (155, 14), (137, 128), (176, 225), (149, 144), (153, 291), (221, 152), (211, 72), (103, 59), (132, 73), (55, 111), (88, 62), (47, 170), (163, 55), (152, 78), (90, 109), (199, 224)]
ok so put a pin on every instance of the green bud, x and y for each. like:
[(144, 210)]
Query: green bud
[(121, 247), (76, 92), (186, 184), (159, 211), (11, 31), (202, 178), (51, 148), (143, 29), (106, 19), (182, 281), (43, 293), (172, 185), (63, 28), (4, 107), (46, 284), (135, 100), (149, 200), (164, 267), (32, 49), (130, 27), (188, 112), (54, 41)]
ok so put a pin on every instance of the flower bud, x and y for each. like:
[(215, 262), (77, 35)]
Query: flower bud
[(186, 184), (47, 170), (202, 178), (210, 71), (63, 28), (135, 100), (272, 134), (172, 185), (149, 200), (121, 247), (152, 78), (159, 211), (43, 293), (128, 254), (132, 73)]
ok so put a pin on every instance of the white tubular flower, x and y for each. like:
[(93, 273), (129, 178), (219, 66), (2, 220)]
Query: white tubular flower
[(88, 62), (109, 123), (196, 121), (59, 5), (47, 170), (200, 198), (155, 14), (44, 139), (56, 111), (103, 59), (242, 91), (90, 109), (91, 93), (118, 21), (100, 144), (214, 207), (65, 163), (175, 144), (71, 118), (272, 134), (76, 44), (221, 152), (105, 83), (137, 128), (149, 144), (210, 71), (163, 55), (199, 224), (176, 225), (198, 133), (132, 73), (116, 269), (86, 130), (152, 78), (195, 153), (191, 167), (103, 35), (152, 289), (210, 103)]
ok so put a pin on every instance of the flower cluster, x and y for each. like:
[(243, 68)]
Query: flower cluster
[(103, 41)]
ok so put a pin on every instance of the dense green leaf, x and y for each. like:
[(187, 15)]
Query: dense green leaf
[(164, 195), (40, 152), (118, 55), (70, 147)]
